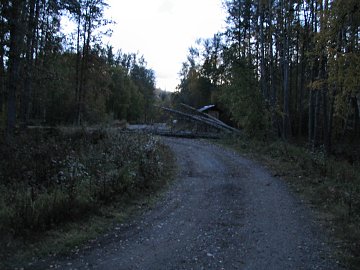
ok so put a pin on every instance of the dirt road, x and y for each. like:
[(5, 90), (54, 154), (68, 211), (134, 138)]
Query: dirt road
[(222, 212)]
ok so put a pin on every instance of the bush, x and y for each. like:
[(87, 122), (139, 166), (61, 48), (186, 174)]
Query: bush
[(49, 176)]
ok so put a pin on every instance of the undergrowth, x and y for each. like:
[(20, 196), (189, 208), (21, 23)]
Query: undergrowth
[(331, 184), (52, 178)]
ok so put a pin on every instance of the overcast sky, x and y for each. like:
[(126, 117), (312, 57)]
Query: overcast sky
[(163, 30)]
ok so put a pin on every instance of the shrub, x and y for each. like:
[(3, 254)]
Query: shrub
[(50, 176)]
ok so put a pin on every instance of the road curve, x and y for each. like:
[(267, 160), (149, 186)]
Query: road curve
[(222, 212)]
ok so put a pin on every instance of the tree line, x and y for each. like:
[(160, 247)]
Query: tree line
[(282, 68), (50, 76)]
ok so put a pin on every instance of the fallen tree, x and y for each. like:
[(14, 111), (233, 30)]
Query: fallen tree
[(221, 123), (202, 118)]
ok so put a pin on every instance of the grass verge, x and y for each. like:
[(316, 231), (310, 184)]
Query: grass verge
[(331, 185), (59, 188)]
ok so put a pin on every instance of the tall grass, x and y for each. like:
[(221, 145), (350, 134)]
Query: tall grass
[(48, 178)]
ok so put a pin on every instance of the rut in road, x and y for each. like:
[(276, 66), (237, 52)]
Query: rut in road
[(222, 212)]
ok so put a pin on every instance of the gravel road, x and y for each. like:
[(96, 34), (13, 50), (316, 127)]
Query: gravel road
[(222, 212)]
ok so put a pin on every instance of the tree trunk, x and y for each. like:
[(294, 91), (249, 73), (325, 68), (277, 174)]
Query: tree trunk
[(14, 65), (84, 64), (311, 117), (301, 88), (2, 65), (85, 61), (77, 74), (286, 118), (272, 89), (29, 65), (326, 127), (262, 46), (324, 93), (356, 127), (330, 124), (316, 121), (2, 76), (313, 99)]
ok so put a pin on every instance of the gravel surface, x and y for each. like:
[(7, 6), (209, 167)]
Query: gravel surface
[(222, 212)]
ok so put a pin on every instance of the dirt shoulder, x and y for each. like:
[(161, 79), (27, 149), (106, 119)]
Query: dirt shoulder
[(222, 212)]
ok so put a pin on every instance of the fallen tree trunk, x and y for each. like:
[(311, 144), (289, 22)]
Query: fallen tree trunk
[(221, 123), (204, 120), (187, 134)]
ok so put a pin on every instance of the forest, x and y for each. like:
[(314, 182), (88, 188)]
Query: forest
[(282, 69), (51, 77), (285, 69), (284, 72)]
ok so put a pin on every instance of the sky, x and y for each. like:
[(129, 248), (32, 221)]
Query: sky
[(163, 30)]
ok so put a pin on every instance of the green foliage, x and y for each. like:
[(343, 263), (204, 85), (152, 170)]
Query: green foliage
[(144, 79), (278, 68), (132, 87), (197, 81), (54, 84), (50, 179), (67, 78), (245, 103), (195, 90), (111, 92), (121, 91)]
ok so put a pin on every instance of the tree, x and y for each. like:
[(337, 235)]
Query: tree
[(16, 31), (304, 70), (144, 79), (88, 15)]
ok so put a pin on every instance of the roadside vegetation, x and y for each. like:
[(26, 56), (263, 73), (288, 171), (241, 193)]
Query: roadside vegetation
[(329, 183), (61, 187), (277, 71)]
